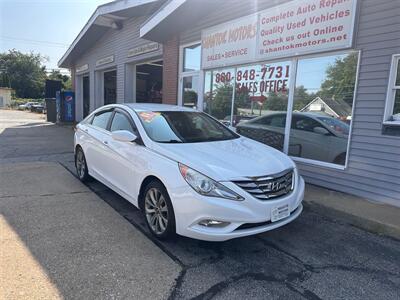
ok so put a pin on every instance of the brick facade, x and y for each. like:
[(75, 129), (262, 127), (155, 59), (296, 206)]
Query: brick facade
[(170, 71)]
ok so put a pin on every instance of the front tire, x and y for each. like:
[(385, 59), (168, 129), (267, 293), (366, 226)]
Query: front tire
[(158, 211), (81, 165)]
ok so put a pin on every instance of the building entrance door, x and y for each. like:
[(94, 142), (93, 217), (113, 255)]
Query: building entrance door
[(86, 95), (149, 82), (110, 87)]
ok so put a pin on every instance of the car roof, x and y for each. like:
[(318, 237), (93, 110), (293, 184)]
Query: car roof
[(138, 107)]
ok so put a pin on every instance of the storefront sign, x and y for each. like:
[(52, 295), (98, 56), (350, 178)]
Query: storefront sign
[(105, 60), (150, 47), (305, 26), (294, 28), (82, 68), (263, 79), (229, 43)]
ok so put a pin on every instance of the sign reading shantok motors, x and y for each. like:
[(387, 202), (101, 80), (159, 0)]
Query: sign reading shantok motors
[(294, 28)]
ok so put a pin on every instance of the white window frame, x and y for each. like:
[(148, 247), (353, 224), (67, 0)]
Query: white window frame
[(182, 74), (391, 92)]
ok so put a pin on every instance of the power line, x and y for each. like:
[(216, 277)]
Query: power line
[(36, 42)]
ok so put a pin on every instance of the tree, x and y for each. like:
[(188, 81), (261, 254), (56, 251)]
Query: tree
[(23, 72), (340, 79), (65, 79), (220, 102), (302, 97)]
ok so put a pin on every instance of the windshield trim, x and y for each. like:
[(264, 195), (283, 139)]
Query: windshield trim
[(234, 134)]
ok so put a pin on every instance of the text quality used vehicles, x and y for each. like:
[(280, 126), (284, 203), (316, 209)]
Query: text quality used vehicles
[(187, 172)]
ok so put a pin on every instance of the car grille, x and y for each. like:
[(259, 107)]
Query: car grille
[(268, 187)]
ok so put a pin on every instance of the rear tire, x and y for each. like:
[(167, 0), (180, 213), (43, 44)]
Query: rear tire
[(81, 165), (158, 211)]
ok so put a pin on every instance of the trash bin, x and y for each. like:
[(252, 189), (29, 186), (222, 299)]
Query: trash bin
[(51, 110)]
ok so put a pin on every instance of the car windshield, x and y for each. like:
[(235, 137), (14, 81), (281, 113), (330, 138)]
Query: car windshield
[(183, 127), (336, 125)]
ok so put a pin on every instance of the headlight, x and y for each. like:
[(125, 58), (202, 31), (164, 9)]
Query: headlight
[(205, 185)]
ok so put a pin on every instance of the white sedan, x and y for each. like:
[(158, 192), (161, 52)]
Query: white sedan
[(188, 173)]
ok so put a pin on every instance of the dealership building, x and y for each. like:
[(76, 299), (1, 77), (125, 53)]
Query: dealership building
[(316, 79)]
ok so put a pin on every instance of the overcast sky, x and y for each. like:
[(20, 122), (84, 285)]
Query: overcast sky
[(43, 26)]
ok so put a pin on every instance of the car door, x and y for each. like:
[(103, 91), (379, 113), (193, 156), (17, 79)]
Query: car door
[(97, 152), (127, 158)]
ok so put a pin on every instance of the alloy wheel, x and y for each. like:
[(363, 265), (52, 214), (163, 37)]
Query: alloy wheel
[(80, 164), (156, 211)]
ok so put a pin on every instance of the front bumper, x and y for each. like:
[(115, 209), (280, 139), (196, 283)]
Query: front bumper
[(191, 208)]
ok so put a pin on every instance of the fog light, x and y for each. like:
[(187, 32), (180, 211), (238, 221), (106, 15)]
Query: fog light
[(213, 223)]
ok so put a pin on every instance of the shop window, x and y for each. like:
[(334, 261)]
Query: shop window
[(392, 111), (191, 58), (218, 97), (261, 101), (190, 86), (255, 100), (322, 107), (190, 75)]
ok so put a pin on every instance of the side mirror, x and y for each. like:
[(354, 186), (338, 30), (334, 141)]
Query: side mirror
[(123, 136), (321, 130)]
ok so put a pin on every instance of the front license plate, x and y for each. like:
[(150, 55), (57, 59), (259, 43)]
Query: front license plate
[(280, 212)]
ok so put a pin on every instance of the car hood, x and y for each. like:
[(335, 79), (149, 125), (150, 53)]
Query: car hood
[(228, 160)]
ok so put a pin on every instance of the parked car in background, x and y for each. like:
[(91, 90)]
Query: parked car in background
[(27, 106), (312, 135), (39, 107), (187, 172)]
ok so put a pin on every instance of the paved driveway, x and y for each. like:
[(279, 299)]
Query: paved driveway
[(315, 257)]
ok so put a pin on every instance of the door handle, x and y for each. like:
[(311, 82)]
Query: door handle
[(105, 142), (86, 130)]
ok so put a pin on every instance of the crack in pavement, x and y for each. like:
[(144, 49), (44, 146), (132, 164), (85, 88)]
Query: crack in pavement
[(221, 286), (45, 195)]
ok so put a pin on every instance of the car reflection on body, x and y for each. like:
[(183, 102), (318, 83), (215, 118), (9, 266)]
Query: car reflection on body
[(187, 172), (312, 135)]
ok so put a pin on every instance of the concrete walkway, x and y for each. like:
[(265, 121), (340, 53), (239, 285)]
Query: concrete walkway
[(375, 217), (59, 240)]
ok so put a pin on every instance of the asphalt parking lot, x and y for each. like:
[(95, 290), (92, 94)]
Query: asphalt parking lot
[(315, 257)]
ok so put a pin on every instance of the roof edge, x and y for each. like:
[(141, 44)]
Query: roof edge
[(162, 13), (103, 9)]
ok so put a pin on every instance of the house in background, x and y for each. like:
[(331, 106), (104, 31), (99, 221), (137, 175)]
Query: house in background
[(337, 108), (5, 96)]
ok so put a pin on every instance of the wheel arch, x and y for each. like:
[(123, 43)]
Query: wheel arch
[(143, 185)]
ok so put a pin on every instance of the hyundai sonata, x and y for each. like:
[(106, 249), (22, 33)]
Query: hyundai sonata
[(187, 172)]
